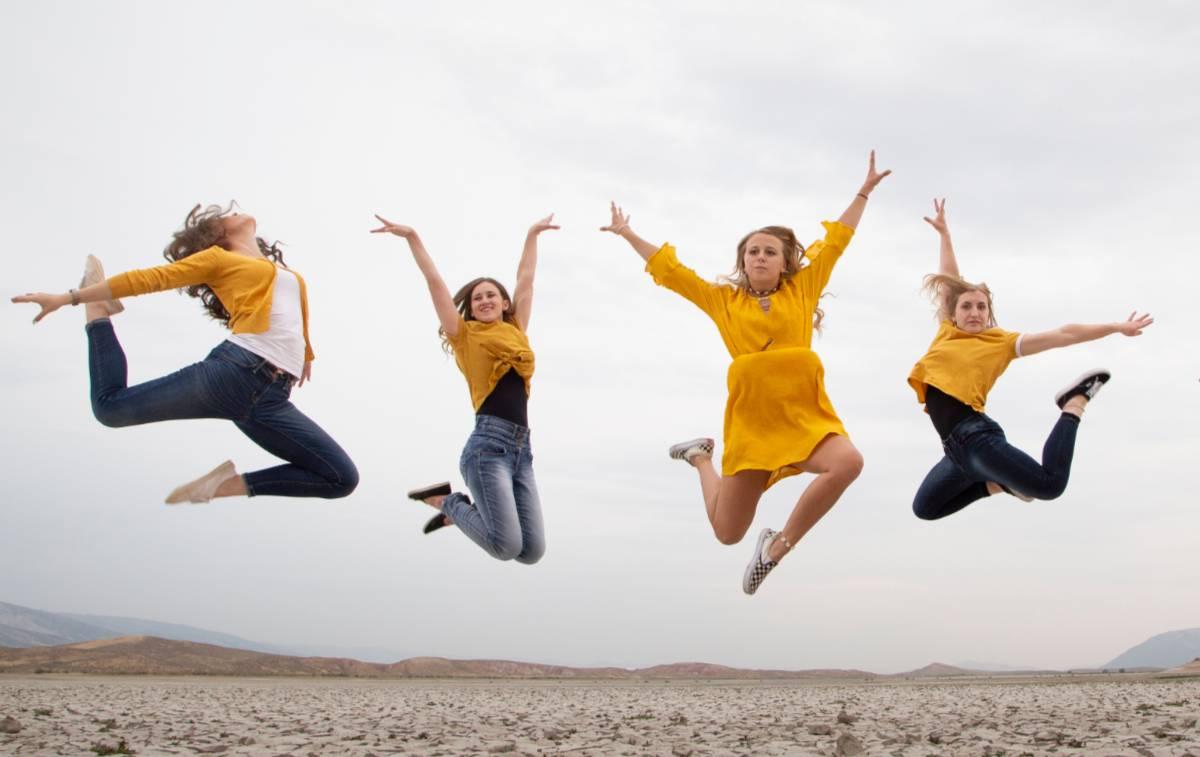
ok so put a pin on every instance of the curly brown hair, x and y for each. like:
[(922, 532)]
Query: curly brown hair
[(793, 257), (203, 229), (462, 299)]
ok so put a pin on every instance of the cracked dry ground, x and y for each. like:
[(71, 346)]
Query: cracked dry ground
[(186, 716)]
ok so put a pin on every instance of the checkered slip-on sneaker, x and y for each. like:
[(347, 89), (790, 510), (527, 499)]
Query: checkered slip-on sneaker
[(691, 448), (1088, 385), (759, 566)]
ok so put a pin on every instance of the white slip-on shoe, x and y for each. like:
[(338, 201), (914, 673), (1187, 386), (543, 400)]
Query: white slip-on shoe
[(691, 448), (1088, 385), (759, 566), (203, 488), (93, 273)]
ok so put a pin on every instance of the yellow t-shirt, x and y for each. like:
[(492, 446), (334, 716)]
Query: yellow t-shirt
[(486, 351), (964, 366)]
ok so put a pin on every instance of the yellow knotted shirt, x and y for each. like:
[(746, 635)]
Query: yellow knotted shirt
[(777, 411), (484, 352)]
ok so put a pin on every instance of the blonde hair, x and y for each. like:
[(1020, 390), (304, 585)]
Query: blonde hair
[(945, 291)]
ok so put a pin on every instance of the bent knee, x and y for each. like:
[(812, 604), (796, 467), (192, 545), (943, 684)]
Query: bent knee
[(532, 554), (503, 548), (849, 465), (344, 481), (728, 536), (110, 416)]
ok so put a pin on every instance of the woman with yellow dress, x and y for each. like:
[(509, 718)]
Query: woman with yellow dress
[(953, 379), (778, 420)]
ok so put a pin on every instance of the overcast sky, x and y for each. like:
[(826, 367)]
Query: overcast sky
[(1064, 136)]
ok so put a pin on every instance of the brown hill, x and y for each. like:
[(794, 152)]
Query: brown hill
[(1188, 669), (148, 655), (936, 670)]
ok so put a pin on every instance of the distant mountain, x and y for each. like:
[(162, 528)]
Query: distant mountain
[(1190, 670), (27, 627), (936, 670), (146, 655), (1167, 650)]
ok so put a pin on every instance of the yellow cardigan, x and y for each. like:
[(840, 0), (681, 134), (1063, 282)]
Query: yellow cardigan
[(243, 284)]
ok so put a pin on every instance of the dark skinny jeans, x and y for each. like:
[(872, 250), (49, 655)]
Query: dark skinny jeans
[(977, 452), (234, 384)]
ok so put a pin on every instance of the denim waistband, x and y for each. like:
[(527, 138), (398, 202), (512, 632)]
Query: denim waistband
[(974, 424), (498, 428), (244, 358)]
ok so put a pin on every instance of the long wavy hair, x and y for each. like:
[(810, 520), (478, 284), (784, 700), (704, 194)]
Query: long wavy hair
[(945, 290), (793, 262), (202, 229), (462, 300)]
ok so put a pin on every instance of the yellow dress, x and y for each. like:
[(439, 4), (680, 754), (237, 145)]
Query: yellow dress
[(777, 411)]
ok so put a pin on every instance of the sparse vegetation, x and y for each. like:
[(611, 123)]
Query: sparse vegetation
[(122, 747)]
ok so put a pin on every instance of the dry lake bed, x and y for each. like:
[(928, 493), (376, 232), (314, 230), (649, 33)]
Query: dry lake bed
[(85, 715)]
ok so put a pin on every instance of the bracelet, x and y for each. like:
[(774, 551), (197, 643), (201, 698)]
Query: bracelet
[(860, 194), (74, 296)]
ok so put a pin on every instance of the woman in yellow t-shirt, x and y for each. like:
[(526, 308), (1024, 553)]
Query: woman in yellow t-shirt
[(955, 375), (778, 419), (485, 329), (248, 378)]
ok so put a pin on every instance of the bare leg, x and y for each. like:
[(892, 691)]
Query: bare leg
[(729, 502), (837, 464)]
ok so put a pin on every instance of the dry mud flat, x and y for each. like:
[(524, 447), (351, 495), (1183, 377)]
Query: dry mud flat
[(186, 716)]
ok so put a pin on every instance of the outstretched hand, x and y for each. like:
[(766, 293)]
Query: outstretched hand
[(1133, 325), (939, 219), (393, 228), (544, 224), (619, 222), (873, 176), (47, 302)]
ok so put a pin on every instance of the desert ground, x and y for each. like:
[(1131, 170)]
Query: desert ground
[(82, 715)]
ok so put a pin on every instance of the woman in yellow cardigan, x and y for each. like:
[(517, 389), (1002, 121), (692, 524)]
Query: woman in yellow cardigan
[(778, 419), (952, 379), (485, 329), (247, 379)]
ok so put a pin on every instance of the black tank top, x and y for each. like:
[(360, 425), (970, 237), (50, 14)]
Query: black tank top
[(508, 400), (945, 411)]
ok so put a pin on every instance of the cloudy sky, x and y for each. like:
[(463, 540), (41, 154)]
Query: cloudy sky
[(1064, 136)]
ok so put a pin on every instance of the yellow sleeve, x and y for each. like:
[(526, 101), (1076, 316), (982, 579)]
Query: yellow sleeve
[(459, 339), (668, 272), (199, 268), (822, 256)]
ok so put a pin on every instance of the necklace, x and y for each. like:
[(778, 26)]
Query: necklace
[(764, 297)]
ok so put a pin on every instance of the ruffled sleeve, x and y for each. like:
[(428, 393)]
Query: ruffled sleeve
[(822, 256), (668, 272)]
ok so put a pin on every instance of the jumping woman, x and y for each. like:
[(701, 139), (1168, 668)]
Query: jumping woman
[(485, 329), (955, 375), (247, 379), (778, 419)]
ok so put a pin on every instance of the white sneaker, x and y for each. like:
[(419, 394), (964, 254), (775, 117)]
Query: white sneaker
[(759, 566), (93, 273), (1088, 385), (203, 488), (690, 449)]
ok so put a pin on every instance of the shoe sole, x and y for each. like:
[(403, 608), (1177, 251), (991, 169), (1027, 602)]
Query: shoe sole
[(1076, 386), (677, 451), (433, 490), (748, 576)]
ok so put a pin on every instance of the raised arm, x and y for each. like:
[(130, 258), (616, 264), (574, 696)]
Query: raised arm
[(854, 211), (523, 294), (947, 264), (1075, 333), (619, 225), (443, 302)]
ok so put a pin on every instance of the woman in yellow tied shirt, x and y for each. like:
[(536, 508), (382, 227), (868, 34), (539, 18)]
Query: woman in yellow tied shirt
[(954, 377), (778, 419), (247, 379), (485, 329)]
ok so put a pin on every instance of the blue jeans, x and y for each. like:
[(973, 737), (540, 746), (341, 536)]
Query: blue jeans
[(233, 384), (977, 452), (506, 516)]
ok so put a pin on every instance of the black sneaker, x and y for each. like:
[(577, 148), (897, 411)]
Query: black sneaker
[(433, 490), (759, 566), (1088, 385)]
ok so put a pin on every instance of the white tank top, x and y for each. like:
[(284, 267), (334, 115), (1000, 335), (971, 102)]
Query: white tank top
[(283, 341)]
